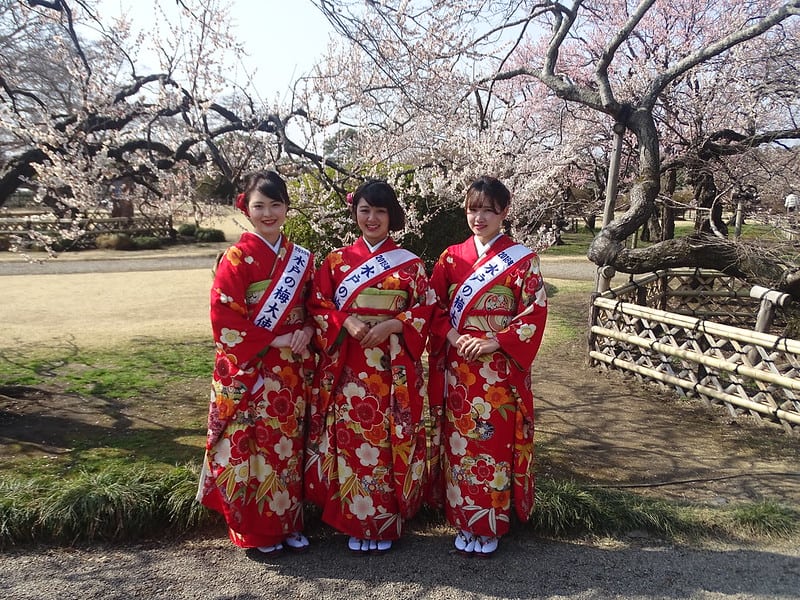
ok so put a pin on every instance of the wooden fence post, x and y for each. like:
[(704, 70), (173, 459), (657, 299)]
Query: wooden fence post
[(766, 312)]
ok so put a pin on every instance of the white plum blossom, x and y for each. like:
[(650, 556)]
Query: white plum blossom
[(345, 472), (324, 444), (525, 332), (270, 385), (222, 452), (458, 444), (488, 373), (284, 448), (362, 507), (374, 356), (280, 502), (454, 497), (367, 454), (231, 337), (259, 468), (352, 390), (481, 407), (500, 481), (541, 297), (241, 472)]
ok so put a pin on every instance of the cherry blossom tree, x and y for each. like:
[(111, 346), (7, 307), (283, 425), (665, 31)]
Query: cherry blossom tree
[(79, 112), (530, 90), (428, 94)]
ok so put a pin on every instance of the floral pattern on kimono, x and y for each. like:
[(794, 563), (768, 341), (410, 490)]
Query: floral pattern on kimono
[(366, 451), (252, 470), (484, 420)]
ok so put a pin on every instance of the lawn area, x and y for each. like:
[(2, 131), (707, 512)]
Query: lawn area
[(86, 409), (577, 243)]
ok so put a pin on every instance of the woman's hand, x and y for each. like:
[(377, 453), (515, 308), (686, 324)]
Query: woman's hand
[(471, 347), (356, 327), (380, 332), (297, 340)]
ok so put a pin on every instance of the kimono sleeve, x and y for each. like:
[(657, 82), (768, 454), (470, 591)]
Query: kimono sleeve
[(416, 319), (522, 338), (328, 320), (440, 317), (234, 332)]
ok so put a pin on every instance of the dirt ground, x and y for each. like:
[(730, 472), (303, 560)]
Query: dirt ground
[(595, 426)]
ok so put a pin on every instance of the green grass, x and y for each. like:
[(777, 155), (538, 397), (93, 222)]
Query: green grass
[(127, 372), (145, 404), (118, 503), (765, 519), (577, 244), (564, 323)]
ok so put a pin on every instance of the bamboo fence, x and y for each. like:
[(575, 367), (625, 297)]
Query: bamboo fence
[(89, 227), (704, 334)]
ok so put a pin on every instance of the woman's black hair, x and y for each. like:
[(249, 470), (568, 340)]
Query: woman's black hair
[(379, 193), (268, 183), (488, 188)]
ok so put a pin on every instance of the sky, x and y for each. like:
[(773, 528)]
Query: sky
[(284, 38)]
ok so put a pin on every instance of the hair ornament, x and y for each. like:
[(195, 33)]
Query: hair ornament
[(241, 203), (349, 199)]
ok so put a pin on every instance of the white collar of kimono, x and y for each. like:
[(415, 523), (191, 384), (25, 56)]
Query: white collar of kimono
[(372, 248), (274, 247), (482, 248)]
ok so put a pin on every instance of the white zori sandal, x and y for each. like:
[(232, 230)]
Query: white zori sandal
[(296, 542), (485, 546), (464, 542), (271, 550)]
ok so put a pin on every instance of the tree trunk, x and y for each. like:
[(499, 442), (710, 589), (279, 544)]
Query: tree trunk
[(699, 250), (668, 214)]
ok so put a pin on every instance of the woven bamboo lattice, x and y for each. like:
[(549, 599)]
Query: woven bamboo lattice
[(89, 227), (694, 331)]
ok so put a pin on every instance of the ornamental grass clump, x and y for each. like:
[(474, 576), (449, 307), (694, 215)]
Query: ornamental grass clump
[(565, 507), (115, 504), (766, 518)]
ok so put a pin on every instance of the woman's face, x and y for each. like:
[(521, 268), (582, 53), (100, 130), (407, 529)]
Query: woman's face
[(373, 221), (267, 215), (484, 221)]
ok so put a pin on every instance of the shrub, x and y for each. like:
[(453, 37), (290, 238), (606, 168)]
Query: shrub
[(146, 242), (114, 241), (187, 230), (210, 235)]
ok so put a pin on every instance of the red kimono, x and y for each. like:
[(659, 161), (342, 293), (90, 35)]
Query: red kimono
[(482, 410), (366, 451), (252, 472)]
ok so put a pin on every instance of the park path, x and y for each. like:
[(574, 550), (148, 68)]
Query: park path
[(423, 566), (202, 257)]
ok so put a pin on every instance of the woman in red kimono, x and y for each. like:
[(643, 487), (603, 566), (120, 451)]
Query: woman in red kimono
[(253, 468), (486, 331), (366, 451)]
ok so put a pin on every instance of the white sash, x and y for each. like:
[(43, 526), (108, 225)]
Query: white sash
[(482, 278), (283, 290), (371, 270)]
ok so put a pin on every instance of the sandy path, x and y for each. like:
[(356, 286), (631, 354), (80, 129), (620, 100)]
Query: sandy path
[(104, 309), (118, 302)]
